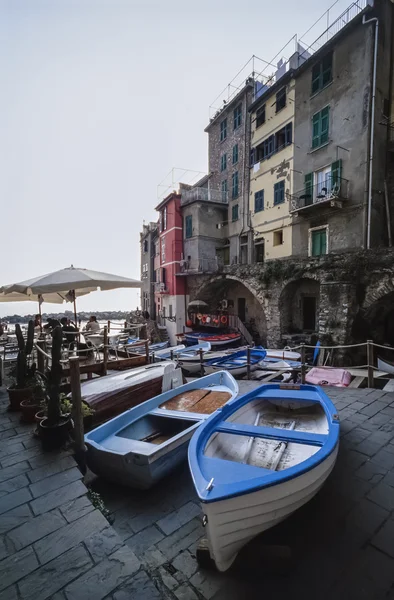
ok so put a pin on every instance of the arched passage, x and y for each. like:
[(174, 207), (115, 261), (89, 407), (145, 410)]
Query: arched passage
[(241, 301), (376, 322), (299, 306)]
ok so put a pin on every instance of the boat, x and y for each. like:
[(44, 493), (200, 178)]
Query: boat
[(168, 352), (236, 363), (145, 443), (328, 376), (191, 365), (260, 458), (111, 395), (220, 339), (385, 365), (283, 354)]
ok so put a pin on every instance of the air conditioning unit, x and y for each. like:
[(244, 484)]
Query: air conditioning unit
[(162, 287), (224, 304)]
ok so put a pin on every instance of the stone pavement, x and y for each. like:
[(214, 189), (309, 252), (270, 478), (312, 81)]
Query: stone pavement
[(54, 544)]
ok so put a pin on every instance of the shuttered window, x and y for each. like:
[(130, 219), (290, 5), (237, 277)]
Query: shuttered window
[(237, 117), (322, 73), (235, 186), (223, 162), (320, 127), (234, 213), (188, 226), (336, 174), (235, 154), (259, 201), (279, 192), (223, 130), (319, 242)]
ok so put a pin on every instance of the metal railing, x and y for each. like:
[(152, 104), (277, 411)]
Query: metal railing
[(204, 195), (160, 287), (235, 322), (319, 193)]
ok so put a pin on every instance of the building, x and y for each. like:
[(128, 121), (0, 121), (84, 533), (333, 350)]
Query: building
[(271, 170), (343, 101), (170, 290), (228, 168), (148, 237)]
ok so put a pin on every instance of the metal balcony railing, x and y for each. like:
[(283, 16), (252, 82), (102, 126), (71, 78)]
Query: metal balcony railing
[(160, 287), (200, 265), (328, 191), (204, 195)]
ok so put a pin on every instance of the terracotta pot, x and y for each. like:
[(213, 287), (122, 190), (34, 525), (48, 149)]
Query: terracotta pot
[(39, 416), (54, 437), (16, 395), (29, 409)]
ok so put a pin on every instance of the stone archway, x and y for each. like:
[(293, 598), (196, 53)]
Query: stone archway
[(376, 320), (242, 300), (299, 306)]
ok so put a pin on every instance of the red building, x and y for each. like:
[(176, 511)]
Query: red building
[(170, 290)]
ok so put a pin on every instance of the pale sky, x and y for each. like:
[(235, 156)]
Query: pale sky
[(99, 100)]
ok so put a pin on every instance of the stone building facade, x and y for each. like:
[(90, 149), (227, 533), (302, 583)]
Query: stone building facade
[(148, 238)]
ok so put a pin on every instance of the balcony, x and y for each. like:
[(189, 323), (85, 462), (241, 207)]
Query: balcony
[(161, 288), (322, 194), (200, 194), (200, 266)]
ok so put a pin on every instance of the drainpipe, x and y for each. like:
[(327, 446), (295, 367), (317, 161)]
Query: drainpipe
[(375, 58)]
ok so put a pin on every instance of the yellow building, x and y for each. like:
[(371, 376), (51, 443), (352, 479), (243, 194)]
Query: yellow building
[(271, 172)]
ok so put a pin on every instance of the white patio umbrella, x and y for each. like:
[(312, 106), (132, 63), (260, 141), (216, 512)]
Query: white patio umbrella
[(77, 281)]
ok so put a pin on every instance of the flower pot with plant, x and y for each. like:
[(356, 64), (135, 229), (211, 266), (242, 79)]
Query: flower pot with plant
[(54, 430), (87, 412), (23, 386)]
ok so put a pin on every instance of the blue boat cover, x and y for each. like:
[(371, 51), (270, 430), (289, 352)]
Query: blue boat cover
[(234, 479), (233, 360)]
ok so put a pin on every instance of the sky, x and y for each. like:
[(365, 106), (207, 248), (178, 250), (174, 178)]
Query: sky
[(100, 99)]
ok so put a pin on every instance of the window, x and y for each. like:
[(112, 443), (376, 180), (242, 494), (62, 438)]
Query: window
[(145, 245), (279, 192), (259, 201), (320, 126), (322, 73), (164, 219), (260, 116), (280, 99), (234, 213), (324, 183), (235, 182), (278, 237), (283, 137), (188, 226), (318, 241), (235, 154), (170, 311), (259, 252), (243, 247), (224, 190), (223, 130), (223, 162), (163, 249), (237, 116)]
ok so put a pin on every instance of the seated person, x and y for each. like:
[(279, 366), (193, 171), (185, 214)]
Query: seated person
[(69, 330), (92, 326), (37, 324)]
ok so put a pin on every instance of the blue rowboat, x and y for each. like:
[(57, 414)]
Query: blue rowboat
[(236, 363), (260, 458), (141, 446)]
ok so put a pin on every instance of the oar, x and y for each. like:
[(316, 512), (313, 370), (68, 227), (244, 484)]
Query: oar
[(251, 440), (282, 448)]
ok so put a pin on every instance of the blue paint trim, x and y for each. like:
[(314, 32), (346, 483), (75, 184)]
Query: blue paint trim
[(228, 361), (233, 479)]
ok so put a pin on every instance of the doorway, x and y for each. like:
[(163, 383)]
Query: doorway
[(309, 313), (242, 309)]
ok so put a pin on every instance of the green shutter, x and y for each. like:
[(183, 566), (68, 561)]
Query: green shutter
[(316, 78), (324, 124), (189, 226), (308, 189), (319, 242), (323, 241), (316, 130), (336, 173)]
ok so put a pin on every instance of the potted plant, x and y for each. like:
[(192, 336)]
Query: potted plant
[(54, 429), (87, 412), (23, 386)]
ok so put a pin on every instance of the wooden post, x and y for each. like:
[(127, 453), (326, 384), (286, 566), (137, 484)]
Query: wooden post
[(152, 358), (125, 324), (76, 397), (105, 359), (109, 326), (147, 351), (201, 362), (302, 363), (40, 356), (171, 354), (248, 362), (370, 363)]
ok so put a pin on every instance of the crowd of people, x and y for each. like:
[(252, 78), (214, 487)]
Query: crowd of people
[(70, 329)]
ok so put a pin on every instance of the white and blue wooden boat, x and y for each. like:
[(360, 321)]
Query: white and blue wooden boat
[(145, 443), (168, 352), (215, 339), (260, 458), (236, 363)]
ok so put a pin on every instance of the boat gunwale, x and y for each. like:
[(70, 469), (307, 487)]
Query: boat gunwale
[(224, 491)]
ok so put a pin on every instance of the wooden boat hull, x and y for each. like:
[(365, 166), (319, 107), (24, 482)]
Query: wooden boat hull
[(259, 459), (215, 340), (111, 395), (145, 443), (386, 366), (232, 523)]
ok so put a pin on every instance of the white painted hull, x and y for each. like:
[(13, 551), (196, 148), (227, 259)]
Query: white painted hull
[(233, 522), (235, 372), (385, 366), (283, 354)]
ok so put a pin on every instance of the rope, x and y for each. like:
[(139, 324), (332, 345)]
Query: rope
[(46, 354), (383, 347), (329, 347)]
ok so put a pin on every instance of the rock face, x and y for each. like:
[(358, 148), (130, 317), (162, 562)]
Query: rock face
[(338, 299)]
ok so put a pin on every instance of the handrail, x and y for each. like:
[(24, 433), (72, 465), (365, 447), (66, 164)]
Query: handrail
[(236, 323)]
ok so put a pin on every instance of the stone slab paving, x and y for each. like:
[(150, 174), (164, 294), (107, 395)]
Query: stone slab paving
[(55, 545)]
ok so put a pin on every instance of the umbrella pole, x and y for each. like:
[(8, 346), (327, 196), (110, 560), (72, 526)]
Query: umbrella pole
[(39, 312), (75, 311)]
